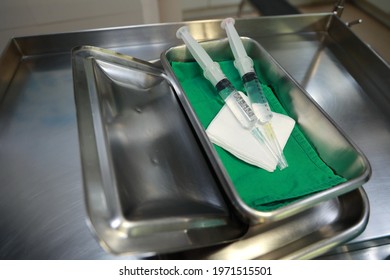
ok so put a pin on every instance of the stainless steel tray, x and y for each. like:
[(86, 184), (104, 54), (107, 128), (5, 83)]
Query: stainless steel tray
[(43, 212), (148, 186), (297, 237), (335, 149)]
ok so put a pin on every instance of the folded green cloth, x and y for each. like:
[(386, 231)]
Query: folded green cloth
[(259, 189)]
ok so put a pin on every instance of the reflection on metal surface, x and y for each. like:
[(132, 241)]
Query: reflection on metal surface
[(298, 237), (379, 250), (354, 95)]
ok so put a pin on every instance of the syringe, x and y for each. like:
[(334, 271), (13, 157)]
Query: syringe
[(237, 105), (259, 103)]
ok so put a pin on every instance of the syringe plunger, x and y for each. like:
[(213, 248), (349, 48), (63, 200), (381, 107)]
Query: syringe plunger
[(242, 62), (211, 70)]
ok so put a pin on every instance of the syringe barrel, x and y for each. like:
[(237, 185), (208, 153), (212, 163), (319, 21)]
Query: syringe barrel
[(211, 70), (257, 98), (237, 105)]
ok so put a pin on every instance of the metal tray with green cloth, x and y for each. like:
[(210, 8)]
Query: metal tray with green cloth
[(258, 188), (329, 164)]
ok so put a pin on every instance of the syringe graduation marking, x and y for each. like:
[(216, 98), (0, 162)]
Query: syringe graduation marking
[(245, 107), (239, 107)]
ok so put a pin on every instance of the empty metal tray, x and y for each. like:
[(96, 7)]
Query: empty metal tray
[(334, 148), (148, 185)]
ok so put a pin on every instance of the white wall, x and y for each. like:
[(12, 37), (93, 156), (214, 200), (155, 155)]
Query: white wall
[(170, 10), (196, 4), (31, 17), (307, 2), (70, 14)]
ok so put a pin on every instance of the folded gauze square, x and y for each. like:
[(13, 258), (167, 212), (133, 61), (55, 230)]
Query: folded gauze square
[(226, 132)]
